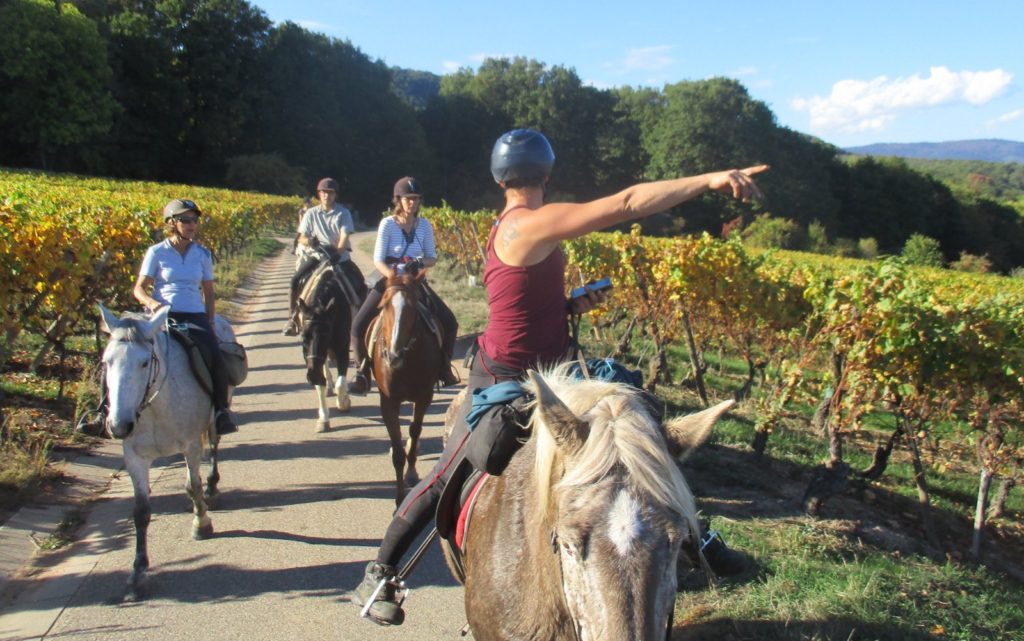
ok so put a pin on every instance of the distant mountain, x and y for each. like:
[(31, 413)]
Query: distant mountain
[(989, 150)]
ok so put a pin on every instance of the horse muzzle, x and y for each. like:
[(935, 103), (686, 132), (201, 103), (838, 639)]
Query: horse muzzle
[(120, 429)]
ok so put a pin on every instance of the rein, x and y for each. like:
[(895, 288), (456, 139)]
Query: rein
[(382, 341), (154, 375)]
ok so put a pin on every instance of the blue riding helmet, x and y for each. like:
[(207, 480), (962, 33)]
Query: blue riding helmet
[(521, 153)]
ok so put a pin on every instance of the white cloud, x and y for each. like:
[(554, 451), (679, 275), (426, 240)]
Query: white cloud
[(450, 66), (1007, 117), (863, 105), (748, 70), (647, 59)]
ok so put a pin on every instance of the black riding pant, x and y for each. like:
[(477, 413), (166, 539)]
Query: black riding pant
[(208, 340)]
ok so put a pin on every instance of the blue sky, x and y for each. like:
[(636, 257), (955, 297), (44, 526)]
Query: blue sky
[(851, 73)]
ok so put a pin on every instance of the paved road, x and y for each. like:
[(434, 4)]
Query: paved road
[(299, 516)]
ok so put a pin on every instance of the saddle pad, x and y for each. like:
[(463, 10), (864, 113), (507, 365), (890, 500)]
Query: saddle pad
[(462, 526), (323, 270)]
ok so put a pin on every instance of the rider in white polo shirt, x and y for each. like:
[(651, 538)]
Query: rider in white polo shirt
[(180, 271)]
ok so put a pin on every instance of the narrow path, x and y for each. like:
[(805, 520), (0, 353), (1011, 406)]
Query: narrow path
[(299, 516)]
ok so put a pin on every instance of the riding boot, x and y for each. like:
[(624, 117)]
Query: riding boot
[(384, 609), (360, 384), (448, 375), (291, 327), (720, 559), (224, 423)]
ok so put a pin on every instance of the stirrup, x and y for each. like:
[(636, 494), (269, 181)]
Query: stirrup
[(402, 592)]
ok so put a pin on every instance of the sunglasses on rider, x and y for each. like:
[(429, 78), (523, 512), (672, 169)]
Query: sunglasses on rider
[(187, 220)]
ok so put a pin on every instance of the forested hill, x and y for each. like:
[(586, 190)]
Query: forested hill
[(991, 150), (998, 180), (212, 92)]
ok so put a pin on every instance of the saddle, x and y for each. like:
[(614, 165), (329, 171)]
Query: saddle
[(327, 269), (200, 360), (495, 422), (426, 314)]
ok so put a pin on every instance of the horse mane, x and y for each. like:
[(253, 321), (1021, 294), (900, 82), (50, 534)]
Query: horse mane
[(622, 433)]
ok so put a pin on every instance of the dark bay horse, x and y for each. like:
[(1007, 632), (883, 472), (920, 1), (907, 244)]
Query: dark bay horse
[(406, 357), (578, 538), (325, 315)]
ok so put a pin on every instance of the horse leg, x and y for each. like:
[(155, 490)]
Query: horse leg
[(413, 445), (342, 400), (202, 526), (138, 469), (389, 412), (323, 422), (340, 339), (213, 478), (327, 375)]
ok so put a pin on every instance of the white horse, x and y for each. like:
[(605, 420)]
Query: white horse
[(157, 408)]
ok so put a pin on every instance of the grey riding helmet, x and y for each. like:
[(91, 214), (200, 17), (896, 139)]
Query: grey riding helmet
[(180, 206), (521, 153)]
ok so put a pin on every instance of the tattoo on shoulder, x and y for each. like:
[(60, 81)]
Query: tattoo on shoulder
[(510, 233)]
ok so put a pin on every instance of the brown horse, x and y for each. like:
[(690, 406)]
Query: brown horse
[(406, 357), (578, 538)]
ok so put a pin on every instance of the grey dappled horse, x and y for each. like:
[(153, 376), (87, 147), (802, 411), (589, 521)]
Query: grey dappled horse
[(157, 408), (578, 538)]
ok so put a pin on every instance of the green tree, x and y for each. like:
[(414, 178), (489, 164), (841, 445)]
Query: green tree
[(327, 107), (53, 81), (714, 124), (922, 250), (592, 139), (769, 232)]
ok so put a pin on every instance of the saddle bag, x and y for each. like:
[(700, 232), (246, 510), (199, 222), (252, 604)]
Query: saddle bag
[(498, 435), (236, 362)]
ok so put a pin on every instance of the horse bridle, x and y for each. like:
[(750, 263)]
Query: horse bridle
[(382, 340), (154, 375)]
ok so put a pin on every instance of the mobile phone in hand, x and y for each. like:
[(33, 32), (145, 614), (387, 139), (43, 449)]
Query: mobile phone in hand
[(596, 286)]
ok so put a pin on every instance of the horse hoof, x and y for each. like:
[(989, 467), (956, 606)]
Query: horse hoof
[(137, 589), (323, 426), (202, 533), (344, 403)]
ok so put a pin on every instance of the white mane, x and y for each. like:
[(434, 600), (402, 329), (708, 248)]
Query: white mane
[(622, 433)]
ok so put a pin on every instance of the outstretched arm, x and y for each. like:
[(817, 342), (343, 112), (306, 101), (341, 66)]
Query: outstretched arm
[(532, 234)]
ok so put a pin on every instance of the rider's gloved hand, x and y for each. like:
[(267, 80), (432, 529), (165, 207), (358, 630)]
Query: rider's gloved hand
[(314, 242)]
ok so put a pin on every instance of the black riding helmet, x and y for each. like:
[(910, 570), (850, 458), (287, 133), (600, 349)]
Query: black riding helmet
[(521, 154)]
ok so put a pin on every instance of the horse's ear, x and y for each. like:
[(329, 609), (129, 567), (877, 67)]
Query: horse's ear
[(569, 432), (685, 433), (107, 319), (157, 321)]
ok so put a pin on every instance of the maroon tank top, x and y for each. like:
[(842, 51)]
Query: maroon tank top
[(528, 323)]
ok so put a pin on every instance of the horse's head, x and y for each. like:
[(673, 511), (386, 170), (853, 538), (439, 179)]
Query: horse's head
[(131, 363), (614, 502), (398, 317)]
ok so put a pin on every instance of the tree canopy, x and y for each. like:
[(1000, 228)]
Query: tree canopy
[(211, 92)]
